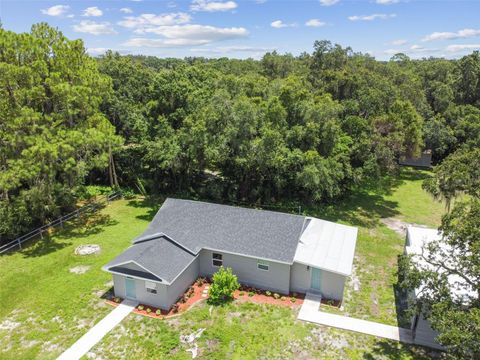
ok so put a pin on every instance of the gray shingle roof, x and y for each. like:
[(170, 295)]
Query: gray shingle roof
[(160, 256), (257, 233)]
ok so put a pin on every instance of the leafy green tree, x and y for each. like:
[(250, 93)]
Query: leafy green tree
[(223, 286), (51, 129), (450, 281)]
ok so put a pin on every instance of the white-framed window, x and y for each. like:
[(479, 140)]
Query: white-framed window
[(217, 259), (151, 287), (262, 265)]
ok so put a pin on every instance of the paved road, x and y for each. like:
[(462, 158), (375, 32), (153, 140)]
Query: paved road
[(95, 334), (310, 312)]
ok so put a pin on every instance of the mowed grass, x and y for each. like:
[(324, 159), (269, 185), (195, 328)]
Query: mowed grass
[(44, 307), (378, 246), (244, 331)]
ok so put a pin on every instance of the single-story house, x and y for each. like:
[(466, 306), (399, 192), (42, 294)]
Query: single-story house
[(416, 245), (270, 250)]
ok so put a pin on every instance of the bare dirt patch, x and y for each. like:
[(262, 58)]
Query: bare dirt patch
[(88, 249), (399, 226), (81, 269), (8, 325)]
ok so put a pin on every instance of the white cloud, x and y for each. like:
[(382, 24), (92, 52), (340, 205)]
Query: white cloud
[(92, 11), (386, 2), (328, 2), (462, 47), (315, 23), (231, 49), (461, 34), (94, 28), (277, 24), (96, 51), (399, 42), (56, 10), (126, 10), (371, 17), (212, 6), (392, 51), (142, 23), (187, 35)]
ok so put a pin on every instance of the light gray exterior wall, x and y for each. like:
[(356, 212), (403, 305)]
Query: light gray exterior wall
[(332, 285), (277, 278), (166, 295)]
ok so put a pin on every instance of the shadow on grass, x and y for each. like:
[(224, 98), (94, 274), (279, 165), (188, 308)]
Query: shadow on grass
[(107, 294), (360, 209), (82, 227), (152, 203), (386, 349)]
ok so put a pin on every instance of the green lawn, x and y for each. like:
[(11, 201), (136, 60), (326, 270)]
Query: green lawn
[(45, 307), (52, 306)]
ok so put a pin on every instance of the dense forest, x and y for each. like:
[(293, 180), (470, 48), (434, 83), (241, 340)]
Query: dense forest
[(283, 129), (305, 128)]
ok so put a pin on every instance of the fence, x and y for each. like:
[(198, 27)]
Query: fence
[(91, 207)]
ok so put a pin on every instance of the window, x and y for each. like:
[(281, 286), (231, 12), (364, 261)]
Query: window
[(151, 287), (262, 265), (217, 259)]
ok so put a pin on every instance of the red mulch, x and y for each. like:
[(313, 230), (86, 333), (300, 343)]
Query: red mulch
[(182, 306), (245, 294)]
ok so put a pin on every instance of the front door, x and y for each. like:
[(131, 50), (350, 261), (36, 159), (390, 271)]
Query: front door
[(130, 288), (316, 278)]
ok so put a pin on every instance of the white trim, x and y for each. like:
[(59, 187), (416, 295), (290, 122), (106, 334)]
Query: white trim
[(248, 256), (321, 268), (136, 277), (143, 267)]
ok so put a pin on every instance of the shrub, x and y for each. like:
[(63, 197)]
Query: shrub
[(241, 293), (149, 310), (117, 299), (276, 296), (283, 298), (223, 286), (158, 312), (175, 308), (251, 293), (268, 293), (200, 281), (140, 307), (293, 299)]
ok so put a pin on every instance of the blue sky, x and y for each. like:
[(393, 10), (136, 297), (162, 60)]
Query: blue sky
[(242, 29)]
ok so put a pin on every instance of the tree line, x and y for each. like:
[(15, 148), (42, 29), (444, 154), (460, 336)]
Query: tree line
[(303, 128), (307, 128)]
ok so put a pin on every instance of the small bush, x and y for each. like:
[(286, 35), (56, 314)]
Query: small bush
[(149, 310), (175, 308), (223, 286), (268, 293), (293, 299), (276, 296), (140, 307), (116, 299), (200, 281), (158, 312), (251, 293), (283, 298), (241, 293)]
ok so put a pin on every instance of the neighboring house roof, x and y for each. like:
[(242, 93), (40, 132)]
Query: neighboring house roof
[(327, 245), (182, 228), (417, 238), (160, 256), (198, 225)]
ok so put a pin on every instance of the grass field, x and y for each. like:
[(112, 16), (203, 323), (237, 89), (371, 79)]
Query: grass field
[(45, 307)]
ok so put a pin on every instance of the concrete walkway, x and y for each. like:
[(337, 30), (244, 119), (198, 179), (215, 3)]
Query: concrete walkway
[(310, 312), (95, 334)]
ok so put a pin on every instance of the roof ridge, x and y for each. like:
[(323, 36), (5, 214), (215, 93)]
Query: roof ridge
[(234, 206)]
